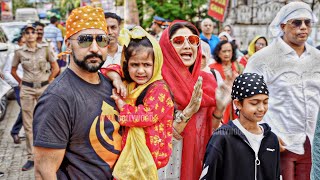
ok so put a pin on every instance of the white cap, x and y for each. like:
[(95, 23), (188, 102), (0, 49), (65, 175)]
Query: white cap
[(292, 10)]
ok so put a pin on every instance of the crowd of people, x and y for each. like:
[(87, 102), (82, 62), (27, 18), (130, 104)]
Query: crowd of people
[(173, 104)]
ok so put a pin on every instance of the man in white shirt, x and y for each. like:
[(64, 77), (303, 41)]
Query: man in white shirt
[(15, 85), (291, 68), (114, 49)]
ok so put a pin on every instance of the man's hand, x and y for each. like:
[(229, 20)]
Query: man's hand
[(281, 144), (223, 96)]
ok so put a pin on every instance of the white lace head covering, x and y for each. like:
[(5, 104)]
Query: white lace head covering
[(292, 10), (226, 35)]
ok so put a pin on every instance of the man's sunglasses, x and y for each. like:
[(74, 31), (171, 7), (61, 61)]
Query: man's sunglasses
[(178, 41), (298, 22), (85, 40)]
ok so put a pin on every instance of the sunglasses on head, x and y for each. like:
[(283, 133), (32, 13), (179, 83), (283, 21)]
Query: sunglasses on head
[(30, 32), (85, 40), (298, 22), (178, 41)]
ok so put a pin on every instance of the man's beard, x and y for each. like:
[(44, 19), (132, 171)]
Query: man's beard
[(85, 65)]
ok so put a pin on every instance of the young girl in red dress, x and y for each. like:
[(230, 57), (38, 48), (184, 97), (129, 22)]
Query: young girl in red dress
[(148, 104)]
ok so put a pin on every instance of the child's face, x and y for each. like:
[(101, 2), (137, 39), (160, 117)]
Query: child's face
[(253, 108), (140, 67)]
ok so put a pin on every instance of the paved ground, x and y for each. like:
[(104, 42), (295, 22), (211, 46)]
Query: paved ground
[(12, 156)]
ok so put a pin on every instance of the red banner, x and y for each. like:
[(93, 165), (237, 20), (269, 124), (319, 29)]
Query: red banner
[(217, 9)]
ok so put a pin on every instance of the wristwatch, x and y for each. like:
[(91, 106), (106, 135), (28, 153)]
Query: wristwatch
[(177, 117), (183, 117)]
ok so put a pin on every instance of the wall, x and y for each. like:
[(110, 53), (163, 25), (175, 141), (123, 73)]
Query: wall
[(253, 18)]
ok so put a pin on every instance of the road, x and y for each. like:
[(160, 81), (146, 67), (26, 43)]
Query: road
[(12, 156)]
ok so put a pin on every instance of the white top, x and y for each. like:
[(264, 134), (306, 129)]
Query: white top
[(116, 59), (7, 71), (294, 91), (254, 139)]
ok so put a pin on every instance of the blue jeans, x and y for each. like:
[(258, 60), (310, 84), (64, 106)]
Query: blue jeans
[(18, 124)]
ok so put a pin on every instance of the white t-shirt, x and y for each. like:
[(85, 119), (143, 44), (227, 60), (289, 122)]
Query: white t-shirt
[(116, 59), (254, 139)]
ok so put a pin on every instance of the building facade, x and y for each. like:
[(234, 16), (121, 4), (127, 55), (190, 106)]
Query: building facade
[(252, 17)]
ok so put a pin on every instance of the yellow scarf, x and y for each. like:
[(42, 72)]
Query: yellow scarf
[(136, 153), (124, 39), (251, 47)]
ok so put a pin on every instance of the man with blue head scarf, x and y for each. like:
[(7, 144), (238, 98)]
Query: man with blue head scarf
[(291, 68)]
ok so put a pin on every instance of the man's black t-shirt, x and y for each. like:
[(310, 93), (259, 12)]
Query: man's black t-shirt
[(79, 117)]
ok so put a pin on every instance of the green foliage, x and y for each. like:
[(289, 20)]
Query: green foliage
[(68, 5), (171, 9), (20, 4), (119, 2)]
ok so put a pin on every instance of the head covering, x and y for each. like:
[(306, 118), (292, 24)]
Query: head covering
[(176, 74), (205, 49), (181, 82), (226, 35), (231, 29), (251, 47), (163, 23), (247, 85), (292, 10), (24, 29), (86, 17), (138, 33)]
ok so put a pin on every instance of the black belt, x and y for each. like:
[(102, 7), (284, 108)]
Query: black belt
[(35, 84)]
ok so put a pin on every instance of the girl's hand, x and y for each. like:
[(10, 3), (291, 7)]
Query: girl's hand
[(120, 87), (195, 101), (117, 98)]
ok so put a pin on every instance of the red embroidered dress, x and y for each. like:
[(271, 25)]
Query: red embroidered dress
[(155, 116), (181, 82)]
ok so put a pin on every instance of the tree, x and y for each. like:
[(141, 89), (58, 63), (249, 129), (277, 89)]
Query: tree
[(132, 13), (20, 4), (190, 10), (68, 5)]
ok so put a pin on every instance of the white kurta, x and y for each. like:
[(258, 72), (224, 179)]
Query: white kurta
[(294, 86)]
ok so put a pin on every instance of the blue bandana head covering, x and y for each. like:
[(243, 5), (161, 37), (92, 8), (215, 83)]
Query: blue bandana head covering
[(247, 85)]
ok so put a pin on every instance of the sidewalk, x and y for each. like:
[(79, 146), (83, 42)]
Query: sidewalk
[(12, 156)]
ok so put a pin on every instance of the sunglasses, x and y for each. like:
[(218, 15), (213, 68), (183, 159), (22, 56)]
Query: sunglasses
[(30, 32), (298, 22), (193, 40), (85, 40), (261, 44)]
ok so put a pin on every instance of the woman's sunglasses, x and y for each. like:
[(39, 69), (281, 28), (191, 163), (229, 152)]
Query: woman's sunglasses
[(85, 40), (30, 32), (178, 41), (298, 22)]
